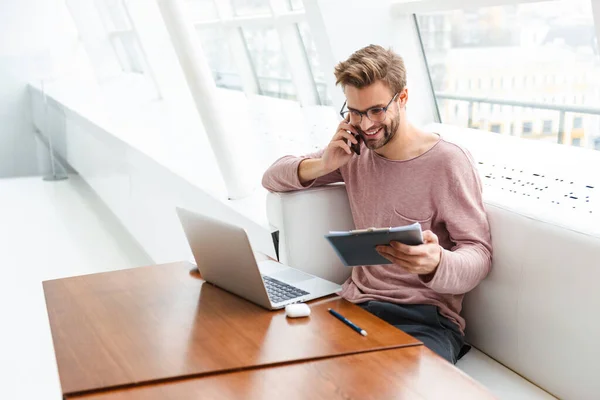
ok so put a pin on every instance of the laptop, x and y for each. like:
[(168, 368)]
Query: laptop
[(225, 259)]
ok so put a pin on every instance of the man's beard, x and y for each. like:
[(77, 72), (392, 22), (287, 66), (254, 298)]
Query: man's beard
[(388, 134)]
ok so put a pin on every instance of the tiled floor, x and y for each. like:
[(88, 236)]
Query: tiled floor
[(48, 230)]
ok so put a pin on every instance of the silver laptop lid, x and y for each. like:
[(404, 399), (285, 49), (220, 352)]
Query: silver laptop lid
[(224, 256)]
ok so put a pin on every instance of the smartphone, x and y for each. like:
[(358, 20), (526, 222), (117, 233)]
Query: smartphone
[(354, 147)]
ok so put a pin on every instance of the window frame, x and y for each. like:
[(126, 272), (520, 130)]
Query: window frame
[(285, 20), (135, 64)]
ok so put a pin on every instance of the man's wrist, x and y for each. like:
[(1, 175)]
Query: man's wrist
[(428, 277), (320, 167), (310, 169)]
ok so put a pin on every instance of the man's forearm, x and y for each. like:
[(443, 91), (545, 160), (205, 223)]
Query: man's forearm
[(460, 270), (311, 169)]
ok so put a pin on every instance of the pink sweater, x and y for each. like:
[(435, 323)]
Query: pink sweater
[(441, 190)]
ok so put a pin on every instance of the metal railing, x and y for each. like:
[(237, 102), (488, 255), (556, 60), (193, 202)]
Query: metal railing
[(561, 108)]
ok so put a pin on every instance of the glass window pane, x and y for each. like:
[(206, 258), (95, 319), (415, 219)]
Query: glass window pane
[(313, 60), (116, 18), (134, 52), (272, 71), (250, 7), (547, 128), (121, 54), (533, 53), (220, 58), (201, 10), (293, 5)]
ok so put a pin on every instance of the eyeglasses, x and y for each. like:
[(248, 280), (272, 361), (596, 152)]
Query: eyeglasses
[(375, 114)]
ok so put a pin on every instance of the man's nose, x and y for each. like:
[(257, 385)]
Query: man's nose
[(365, 124)]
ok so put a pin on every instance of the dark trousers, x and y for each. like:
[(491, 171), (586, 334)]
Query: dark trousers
[(425, 323)]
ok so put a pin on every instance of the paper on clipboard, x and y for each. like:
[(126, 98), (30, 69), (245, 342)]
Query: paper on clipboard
[(394, 229)]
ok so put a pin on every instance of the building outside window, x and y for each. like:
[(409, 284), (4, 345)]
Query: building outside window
[(547, 127), (499, 43)]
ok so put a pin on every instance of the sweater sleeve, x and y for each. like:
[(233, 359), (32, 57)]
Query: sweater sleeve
[(469, 260), (282, 176)]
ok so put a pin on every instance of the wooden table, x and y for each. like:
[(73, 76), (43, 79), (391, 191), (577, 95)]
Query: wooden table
[(408, 373), (146, 325)]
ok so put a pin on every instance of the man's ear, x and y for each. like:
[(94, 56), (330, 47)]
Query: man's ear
[(403, 98)]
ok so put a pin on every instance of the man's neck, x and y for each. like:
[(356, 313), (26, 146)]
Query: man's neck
[(409, 142)]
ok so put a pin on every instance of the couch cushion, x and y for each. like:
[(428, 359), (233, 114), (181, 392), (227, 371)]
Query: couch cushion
[(536, 312), (303, 218), (501, 381)]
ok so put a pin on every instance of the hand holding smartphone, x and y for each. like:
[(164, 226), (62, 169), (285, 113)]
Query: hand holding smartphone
[(354, 147), (338, 152)]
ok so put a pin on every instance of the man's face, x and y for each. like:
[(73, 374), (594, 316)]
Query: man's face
[(375, 134)]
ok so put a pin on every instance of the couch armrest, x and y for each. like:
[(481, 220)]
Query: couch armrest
[(303, 218)]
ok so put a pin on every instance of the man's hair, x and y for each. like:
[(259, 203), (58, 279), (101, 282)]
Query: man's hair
[(370, 64)]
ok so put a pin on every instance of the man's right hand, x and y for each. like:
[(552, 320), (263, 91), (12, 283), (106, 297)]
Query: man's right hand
[(338, 152), (336, 155)]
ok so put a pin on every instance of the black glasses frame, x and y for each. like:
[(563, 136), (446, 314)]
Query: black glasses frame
[(344, 113)]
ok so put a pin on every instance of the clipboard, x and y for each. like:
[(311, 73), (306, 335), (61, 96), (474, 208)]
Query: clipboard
[(357, 247)]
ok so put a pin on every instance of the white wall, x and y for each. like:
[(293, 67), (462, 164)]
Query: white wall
[(37, 41)]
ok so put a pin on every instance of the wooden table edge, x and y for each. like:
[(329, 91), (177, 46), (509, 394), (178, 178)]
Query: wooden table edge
[(68, 395)]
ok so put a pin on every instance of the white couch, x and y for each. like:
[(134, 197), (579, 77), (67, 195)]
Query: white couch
[(534, 321)]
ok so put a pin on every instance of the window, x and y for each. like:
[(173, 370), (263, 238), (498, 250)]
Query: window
[(122, 37), (201, 10), (128, 52), (496, 128), (294, 5), (250, 7), (268, 51), (547, 127), (501, 44), (577, 123), (268, 61), (313, 60), (576, 142), (219, 57), (106, 30), (440, 40)]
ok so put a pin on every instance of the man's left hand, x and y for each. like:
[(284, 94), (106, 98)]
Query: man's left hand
[(422, 259)]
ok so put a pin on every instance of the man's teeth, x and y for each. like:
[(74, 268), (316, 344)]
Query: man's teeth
[(371, 133)]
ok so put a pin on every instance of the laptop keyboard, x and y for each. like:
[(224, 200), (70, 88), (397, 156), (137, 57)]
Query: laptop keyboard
[(279, 291)]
